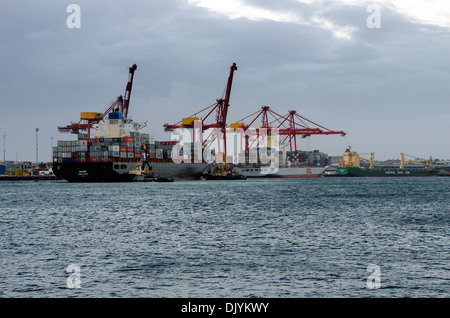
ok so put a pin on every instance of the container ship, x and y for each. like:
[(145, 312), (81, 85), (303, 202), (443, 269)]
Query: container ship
[(291, 164), (350, 167), (111, 148)]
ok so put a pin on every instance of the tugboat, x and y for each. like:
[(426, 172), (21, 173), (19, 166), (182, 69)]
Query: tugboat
[(223, 174), (145, 173)]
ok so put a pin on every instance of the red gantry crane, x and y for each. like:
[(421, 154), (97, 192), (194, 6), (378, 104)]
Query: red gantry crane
[(221, 108), (87, 119), (290, 125)]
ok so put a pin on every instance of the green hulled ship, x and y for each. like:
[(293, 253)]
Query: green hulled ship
[(350, 167), (386, 172)]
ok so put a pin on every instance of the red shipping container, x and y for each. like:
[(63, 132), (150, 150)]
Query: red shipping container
[(128, 139), (152, 156), (130, 149), (123, 149), (137, 155), (97, 139), (101, 159), (91, 159)]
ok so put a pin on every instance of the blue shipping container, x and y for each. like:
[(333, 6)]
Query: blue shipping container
[(2, 170)]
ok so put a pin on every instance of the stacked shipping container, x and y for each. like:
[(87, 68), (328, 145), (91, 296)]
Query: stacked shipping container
[(311, 158), (98, 149), (296, 158), (112, 149)]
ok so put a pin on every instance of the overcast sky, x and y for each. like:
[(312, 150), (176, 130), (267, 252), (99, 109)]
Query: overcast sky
[(387, 87)]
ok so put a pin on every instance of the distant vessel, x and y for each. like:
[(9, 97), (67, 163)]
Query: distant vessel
[(282, 172), (292, 164), (350, 167), (117, 151)]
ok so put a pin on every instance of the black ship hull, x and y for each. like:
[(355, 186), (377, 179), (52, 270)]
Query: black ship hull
[(90, 172)]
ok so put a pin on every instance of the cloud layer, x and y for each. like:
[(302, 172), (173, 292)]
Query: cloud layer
[(386, 87)]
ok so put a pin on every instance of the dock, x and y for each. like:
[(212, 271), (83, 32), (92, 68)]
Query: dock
[(28, 178)]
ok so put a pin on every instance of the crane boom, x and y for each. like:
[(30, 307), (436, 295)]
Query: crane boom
[(221, 108), (126, 100), (287, 125), (403, 161), (371, 160)]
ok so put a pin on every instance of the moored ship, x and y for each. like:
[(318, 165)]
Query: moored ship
[(111, 148), (290, 164), (282, 172), (350, 167)]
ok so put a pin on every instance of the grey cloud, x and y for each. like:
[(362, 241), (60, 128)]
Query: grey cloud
[(375, 86)]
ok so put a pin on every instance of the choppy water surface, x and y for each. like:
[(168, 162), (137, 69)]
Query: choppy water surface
[(252, 238)]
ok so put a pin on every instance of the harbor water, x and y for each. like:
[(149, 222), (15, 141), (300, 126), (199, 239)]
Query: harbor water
[(278, 238)]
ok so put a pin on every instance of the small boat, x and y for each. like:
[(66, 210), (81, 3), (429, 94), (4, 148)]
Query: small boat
[(144, 179)]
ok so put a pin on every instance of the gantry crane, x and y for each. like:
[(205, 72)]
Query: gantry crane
[(287, 125), (221, 108)]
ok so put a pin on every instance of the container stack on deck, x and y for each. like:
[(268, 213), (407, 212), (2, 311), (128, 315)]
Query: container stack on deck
[(112, 149), (98, 150), (307, 158), (162, 150)]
